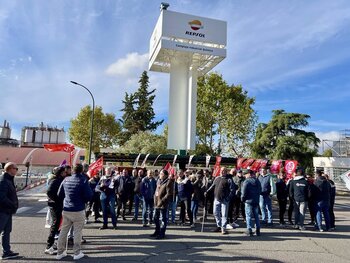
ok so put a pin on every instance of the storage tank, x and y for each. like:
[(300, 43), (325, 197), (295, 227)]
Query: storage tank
[(38, 136), (46, 137), (61, 137), (28, 136), (53, 136)]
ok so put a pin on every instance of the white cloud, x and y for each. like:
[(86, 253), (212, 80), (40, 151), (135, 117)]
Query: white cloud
[(128, 66), (328, 136)]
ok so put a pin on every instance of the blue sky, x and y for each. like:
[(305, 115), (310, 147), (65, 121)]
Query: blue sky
[(291, 55)]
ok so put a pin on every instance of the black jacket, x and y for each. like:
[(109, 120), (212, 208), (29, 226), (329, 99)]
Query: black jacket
[(299, 189), (53, 199), (8, 195), (323, 189), (281, 189), (251, 191), (224, 188)]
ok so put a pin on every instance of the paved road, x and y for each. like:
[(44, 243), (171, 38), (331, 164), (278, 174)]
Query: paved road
[(131, 242)]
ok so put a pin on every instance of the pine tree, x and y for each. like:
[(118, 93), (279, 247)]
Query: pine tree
[(138, 110)]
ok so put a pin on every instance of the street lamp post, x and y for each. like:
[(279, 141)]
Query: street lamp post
[(92, 117)]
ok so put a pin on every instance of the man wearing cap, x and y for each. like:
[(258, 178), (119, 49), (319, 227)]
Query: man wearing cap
[(251, 191), (224, 191), (8, 207)]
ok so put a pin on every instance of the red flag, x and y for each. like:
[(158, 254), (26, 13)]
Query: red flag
[(256, 165), (167, 167), (247, 163), (95, 167), (263, 163), (216, 171), (290, 166), (173, 171), (275, 166), (239, 162), (64, 147)]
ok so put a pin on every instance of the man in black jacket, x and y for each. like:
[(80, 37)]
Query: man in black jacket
[(56, 206), (282, 196), (238, 204), (8, 207), (299, 191), (250, 196), (322, 198), (332, 202), (224, 191)]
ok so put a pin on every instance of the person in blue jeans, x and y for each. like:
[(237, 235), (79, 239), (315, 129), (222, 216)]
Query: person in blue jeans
[(250, 195), (322, 197), (107, 197), (197, 181), (148, 187), (137, 193), (224, 191), (265, 199)]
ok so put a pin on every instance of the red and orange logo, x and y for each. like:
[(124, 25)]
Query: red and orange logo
[(195, 25)]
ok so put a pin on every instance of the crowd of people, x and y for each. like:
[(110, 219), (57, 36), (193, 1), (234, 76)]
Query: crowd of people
[(235, 197)]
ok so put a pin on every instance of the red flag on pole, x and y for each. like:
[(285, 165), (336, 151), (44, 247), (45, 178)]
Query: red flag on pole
[(167, 167), (247, 163), (275, 166), (63, 147), (216, 171), (290, 166), (95, 167), (240, 162), (256, 165)]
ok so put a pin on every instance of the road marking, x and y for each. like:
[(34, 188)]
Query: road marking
[(23, 209), (42, 200), (43, 211)]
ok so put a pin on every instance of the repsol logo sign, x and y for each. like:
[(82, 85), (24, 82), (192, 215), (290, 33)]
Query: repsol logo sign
[(195, 25), (195, 34)]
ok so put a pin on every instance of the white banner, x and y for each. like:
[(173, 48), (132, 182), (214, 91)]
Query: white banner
[(175, 157), (346, 179), (136, 161), (155, 161), (144, 161), (190, 160), (207, 160)]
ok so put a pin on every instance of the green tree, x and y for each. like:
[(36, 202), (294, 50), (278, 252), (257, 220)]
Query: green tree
[(327, 153), (138, 113), (284, 138), (145, 142), (225, 117), (106, 129)]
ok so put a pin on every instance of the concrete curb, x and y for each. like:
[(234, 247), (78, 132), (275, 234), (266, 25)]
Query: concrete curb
[(33, 185)]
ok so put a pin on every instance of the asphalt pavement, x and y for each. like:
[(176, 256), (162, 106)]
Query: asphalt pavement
[(131, 242)]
